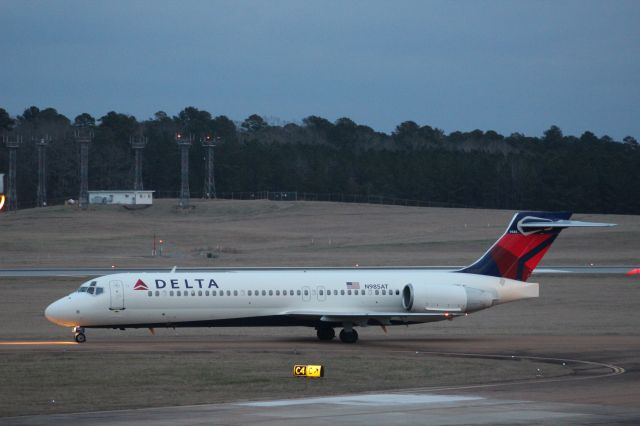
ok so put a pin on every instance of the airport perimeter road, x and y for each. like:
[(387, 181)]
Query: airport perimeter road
[(93, 272)]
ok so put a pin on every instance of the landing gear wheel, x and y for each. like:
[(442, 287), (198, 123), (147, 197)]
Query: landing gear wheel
[(325, 333), (80, 338), (350, 336)]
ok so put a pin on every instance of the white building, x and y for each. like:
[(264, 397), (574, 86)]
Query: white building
[(121, 197)]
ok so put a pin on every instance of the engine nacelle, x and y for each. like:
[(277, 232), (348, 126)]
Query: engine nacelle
[(445, 298)]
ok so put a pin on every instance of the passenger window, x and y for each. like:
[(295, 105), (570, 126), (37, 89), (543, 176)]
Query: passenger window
[(320, 292), (157, 293), (306, 292), (178, 293), (341, 292), (213, 293), (298, 292), (249, 292), (377, 292), (150, 293), (264, 292), (235, 292), (397, 292), (355, 292), (199, 292), (277, 292), (335, 292), (206, 293), (270, 292), (349, 292), (171, 293), (384, 292)]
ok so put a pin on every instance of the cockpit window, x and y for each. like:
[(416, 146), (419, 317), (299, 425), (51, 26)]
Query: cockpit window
[(91, 288)]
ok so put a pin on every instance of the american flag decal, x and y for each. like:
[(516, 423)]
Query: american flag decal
[(352, 285)]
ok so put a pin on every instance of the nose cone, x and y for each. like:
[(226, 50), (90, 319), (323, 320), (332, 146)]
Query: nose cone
[(61, 312)]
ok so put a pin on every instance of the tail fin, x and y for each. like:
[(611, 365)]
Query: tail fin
[(528, 237)]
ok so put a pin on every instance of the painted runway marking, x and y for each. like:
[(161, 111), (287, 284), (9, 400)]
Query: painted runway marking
[(379, 399)]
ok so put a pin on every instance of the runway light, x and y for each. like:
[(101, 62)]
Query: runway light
[(308, 371), (1, 201)]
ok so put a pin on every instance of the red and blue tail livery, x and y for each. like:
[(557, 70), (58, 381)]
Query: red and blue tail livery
[(528, 237)]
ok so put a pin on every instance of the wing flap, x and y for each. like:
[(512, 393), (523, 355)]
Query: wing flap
[(376, 316)]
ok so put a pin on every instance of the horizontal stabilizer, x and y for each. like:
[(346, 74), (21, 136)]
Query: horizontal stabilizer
[(566, 224)]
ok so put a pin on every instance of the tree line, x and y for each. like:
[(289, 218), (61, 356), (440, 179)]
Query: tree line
[(476, 169)]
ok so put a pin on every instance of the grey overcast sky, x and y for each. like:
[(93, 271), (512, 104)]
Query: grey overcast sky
[(458, 65)]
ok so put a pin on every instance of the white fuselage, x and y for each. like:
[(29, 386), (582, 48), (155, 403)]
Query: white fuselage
[(276, 297)]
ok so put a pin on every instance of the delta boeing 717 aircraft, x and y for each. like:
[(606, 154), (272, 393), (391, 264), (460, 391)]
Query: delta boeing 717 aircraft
[(323, 298)]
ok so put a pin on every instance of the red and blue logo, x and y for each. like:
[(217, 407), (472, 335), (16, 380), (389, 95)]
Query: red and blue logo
[(140, 285)]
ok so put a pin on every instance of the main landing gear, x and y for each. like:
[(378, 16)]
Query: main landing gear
[(325, 332), (78, 334), (347, 335)]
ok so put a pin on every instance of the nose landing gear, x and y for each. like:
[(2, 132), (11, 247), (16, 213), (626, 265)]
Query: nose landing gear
[(78, 334)]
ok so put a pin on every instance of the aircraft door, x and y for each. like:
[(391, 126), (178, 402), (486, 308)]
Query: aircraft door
[(306, 294), (117, 295), (322, 294)]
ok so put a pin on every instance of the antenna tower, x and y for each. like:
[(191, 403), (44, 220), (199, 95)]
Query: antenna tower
[(13, 143), (209, 143), (184, 141), (84, 136), (42, 143), (138, 142)]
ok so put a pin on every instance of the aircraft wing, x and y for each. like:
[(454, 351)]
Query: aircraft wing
[(381, 317)]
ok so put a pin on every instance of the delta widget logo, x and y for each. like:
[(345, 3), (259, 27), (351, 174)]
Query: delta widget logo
[(140, 285)]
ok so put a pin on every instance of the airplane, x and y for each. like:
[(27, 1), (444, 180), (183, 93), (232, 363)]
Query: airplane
[(323, 298)]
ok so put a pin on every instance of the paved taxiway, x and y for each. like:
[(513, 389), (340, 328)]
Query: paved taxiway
[(596, 315), (603, 389)]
